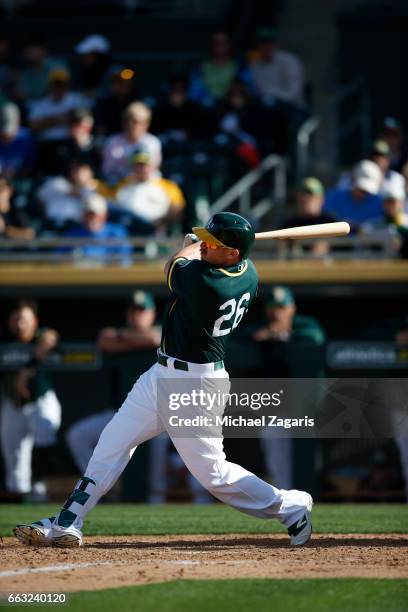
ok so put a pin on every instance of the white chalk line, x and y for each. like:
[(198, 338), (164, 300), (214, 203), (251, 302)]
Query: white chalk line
[(51, 568), (73, 566), (209, 562)]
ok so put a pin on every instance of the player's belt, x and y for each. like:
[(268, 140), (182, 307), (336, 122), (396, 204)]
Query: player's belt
[(183, 365)]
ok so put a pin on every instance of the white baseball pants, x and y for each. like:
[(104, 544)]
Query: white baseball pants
[(22, 428), (138, 421)]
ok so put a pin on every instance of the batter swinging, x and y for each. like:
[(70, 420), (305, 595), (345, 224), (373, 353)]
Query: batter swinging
[(212, 284)]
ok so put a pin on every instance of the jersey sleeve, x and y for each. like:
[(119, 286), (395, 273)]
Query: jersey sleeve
[(184, 276)]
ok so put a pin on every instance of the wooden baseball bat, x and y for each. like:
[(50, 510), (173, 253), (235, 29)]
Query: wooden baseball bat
[(322, 230)]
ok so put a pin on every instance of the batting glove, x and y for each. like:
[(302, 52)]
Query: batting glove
[(190, 239)]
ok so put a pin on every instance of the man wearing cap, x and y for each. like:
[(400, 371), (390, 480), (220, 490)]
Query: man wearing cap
[(49, 116), (17, 146), (150, 197), (95, 226), (140, 331), (80, 144), (362, 201), (94, 53), (62, 196), (380, 154), (310, 200), (120, 148), (212, 284), (394, 219), (287, 343), (393, 134)]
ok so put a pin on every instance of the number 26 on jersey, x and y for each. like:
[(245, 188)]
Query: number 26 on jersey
[(231, 318)]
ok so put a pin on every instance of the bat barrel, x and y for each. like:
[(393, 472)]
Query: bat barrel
[(321, 230)]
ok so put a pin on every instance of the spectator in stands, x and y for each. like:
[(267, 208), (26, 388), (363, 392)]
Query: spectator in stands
[(290, 347), (62, 197), (394, 213), (14, 222), (310, 200), (381, 155), (176, 117), (30, 410), (277, 75), (95, 225), (81, 144), (392, 133), (211, 80), (151, 198), (361, 202), (119, 148), (239, 111), (17, 146), (393, 221), (110, 107), (34, 79), (240, 117), (49, 117), (94, 52)]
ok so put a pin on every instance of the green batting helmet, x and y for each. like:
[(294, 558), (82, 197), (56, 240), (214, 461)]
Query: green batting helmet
[(228, 230)]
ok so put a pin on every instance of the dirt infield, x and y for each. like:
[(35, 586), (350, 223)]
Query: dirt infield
[(112, 561)]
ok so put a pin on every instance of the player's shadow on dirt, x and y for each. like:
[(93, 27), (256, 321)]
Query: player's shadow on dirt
[(245, 541)]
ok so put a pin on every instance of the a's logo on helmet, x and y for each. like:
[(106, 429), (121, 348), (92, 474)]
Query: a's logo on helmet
[(279, 294), (139, 296)]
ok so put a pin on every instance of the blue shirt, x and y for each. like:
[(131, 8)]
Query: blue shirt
[(341, 204), (18, 155), (100, 251)]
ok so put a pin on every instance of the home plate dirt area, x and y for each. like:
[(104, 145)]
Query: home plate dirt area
[(112, 561)]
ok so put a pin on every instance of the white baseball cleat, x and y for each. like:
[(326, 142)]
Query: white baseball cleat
[(300, 532), (35, 534), (66, 537)]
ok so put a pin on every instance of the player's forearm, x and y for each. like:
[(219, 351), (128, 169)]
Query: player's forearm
[(129, 340), (192, 251)]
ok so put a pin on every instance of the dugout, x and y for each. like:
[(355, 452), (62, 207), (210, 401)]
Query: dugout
[(347, 300)]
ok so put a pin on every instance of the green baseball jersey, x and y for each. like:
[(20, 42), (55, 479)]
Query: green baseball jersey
[(207, 304)]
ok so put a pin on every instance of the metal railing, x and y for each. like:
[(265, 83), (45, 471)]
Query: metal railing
[(358, 121), (241, 191), (77, 251)]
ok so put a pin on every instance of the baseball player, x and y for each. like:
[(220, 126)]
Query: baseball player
[(212, 284), (30, 411)]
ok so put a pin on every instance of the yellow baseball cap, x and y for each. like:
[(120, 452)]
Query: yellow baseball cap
[(58, 74)]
